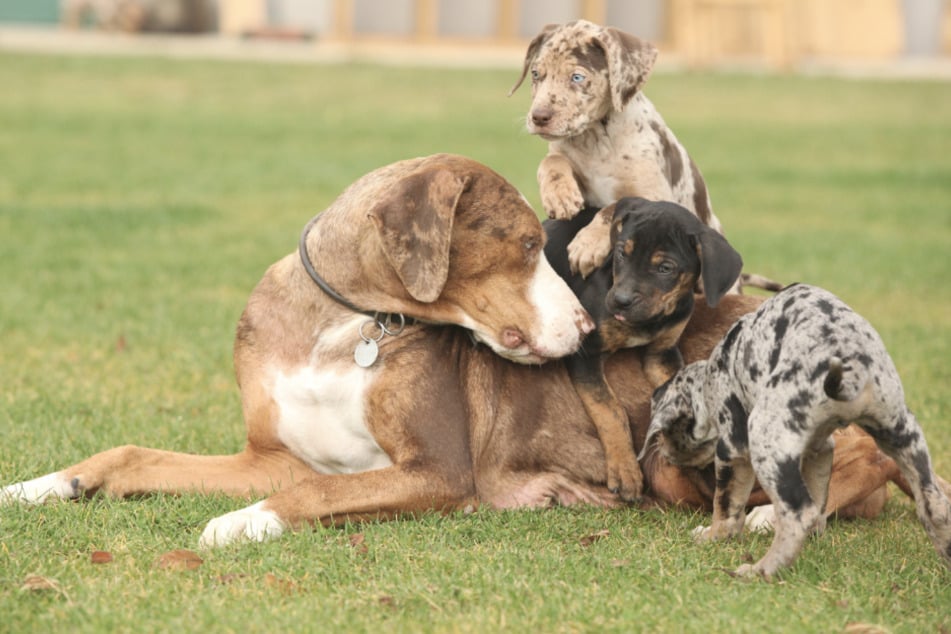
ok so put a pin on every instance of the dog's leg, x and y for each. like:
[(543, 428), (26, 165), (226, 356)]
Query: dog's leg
[(561, 196), (661, 365), (735, 480), (817, 470), (333, 500), (778, 460), (603, 407), (130, 470), (860, 473), (592, 244), (902, 439)]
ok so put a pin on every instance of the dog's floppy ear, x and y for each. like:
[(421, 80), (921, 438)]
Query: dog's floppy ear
[(630, 61), (720, 265), (415, 227), (532, 52)]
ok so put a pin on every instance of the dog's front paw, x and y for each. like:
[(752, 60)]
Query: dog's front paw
[(716, 531), (750, 572), (761, 519), (590, 248), (626, 480), (562, 199), (52, 486), (702, 534), (249, 524)]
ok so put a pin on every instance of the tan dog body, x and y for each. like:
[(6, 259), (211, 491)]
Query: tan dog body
[(436, 422), (606, 139)]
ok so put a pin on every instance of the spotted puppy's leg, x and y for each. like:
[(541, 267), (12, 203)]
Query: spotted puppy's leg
[(735, 480), (776, 449), (900, 436), (734, 473), (817, 472), (561, 196)]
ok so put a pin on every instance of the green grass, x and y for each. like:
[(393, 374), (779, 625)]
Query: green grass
[(141, 200)]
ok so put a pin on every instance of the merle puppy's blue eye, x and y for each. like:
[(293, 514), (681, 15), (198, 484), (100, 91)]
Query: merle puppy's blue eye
[(577, 78), (534, 74)]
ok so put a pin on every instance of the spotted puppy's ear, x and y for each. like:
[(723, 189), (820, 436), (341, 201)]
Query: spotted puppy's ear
[(532, 52), (630, 61), (415, 227), (720, 265)]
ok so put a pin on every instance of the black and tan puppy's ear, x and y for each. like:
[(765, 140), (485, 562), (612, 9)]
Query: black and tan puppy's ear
[(532, 52), (415, 227), (720, 265), (621, 211)]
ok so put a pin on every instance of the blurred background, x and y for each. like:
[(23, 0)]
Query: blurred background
[(770, 34)]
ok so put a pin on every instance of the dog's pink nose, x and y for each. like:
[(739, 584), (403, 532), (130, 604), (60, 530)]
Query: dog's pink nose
[(541, 116), (512, 338)]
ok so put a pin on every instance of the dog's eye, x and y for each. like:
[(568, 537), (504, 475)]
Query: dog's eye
[(534, 75), (577, 78), (666, 268)]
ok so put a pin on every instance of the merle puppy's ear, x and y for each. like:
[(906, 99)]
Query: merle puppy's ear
[(720, 265), (532, 52), (630, 61)]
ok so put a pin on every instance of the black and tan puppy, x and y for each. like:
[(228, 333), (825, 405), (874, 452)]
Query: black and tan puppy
[(641, 297)]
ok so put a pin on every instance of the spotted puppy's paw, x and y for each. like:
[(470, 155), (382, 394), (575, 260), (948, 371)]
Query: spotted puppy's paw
[(561, 197), (253, 523), (590, 247)]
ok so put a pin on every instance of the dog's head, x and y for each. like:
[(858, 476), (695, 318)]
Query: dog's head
[(660, 252), (450, 241), (685, 435), (580, 73)]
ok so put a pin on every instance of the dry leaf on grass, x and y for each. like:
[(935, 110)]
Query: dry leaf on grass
[(356, 542), (100, 557), (39, 583), (286, 586), (587, 540), (180, 559), (864, 628)]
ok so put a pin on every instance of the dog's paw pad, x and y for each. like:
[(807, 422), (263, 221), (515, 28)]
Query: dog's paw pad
[(248, 524)]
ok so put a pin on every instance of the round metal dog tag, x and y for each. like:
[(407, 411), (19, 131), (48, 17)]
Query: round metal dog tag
[(366, 353)]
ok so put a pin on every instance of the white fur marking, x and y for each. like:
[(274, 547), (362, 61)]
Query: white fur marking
[(555, 333), (322, 418), (252, 523), (761, 519), (36, 491)]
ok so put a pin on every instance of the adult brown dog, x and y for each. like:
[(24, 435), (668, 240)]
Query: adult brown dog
[(433, 422)]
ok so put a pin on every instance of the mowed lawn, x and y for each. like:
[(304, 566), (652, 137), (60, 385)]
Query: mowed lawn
[(142, 199)]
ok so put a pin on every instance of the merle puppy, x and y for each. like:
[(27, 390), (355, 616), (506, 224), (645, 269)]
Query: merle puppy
[(642, 296), (765, 405)]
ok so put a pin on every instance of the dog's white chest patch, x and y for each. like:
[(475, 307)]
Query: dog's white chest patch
[(322, 419)]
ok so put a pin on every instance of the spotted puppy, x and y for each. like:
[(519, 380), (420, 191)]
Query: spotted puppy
[(765, 405), (606, 139)]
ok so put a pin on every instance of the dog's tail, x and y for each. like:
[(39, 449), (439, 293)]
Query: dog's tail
[(754, 280)]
